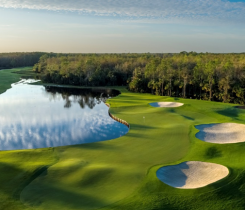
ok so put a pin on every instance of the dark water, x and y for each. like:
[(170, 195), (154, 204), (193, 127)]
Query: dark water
[(37, 117)]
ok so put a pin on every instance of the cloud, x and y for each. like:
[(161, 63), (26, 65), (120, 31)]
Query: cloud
[(168, 10)]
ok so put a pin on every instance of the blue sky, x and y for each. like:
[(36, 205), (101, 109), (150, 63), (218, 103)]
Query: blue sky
[(105, 26)]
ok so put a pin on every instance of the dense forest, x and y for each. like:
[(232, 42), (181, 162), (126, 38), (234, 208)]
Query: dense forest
[(90, 69), (207, 76), (13, 60)]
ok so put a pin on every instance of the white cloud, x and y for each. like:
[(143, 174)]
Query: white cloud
[(168, 10)]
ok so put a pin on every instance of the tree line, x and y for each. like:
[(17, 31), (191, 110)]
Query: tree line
[(91, 69), (14, 60), (219, 77), (206, 76)]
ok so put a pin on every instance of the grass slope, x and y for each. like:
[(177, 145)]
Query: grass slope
[(10, 76), (121, 173), (19, 168)]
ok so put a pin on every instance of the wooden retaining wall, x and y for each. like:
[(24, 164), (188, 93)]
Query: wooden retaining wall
[(116, 118)]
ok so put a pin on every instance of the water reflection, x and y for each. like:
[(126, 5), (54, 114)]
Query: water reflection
[(84, 97), (37, 117)]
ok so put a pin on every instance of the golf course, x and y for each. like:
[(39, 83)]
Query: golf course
[(122, 173)]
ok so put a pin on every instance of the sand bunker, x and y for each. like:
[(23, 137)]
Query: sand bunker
[(166, 104), (192, 174), (224, 133)]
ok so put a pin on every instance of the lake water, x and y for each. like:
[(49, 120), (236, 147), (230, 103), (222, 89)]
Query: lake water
[(34, 116)]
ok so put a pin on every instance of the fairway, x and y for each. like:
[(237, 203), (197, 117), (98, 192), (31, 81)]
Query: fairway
[(7, 77), (121, 173)]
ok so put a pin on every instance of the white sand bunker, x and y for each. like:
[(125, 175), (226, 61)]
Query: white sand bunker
[(166, 104), (192, 174), (224, 133)]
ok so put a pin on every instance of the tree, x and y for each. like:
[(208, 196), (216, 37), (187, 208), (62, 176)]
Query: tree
[(209, 71)]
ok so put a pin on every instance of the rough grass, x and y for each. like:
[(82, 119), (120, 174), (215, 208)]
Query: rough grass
[(121, 173)]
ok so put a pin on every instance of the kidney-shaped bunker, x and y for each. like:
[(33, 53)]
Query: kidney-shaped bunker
[(166, 104), (223, 133), (192, 174)]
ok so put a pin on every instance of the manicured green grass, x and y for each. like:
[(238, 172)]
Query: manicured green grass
[(10, 76), (121, 173)]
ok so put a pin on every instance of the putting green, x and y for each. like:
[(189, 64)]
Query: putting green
[(121, 173)]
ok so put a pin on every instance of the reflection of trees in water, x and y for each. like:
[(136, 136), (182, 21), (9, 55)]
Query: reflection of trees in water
[(84, 97), (67, 101)]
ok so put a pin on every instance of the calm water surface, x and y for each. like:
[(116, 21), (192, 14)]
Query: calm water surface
[(36, 117)]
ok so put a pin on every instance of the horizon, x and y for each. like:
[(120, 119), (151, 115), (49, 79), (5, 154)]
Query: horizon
[(122, 27), (119, 53)]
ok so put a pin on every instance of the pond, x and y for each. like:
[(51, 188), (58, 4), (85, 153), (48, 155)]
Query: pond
[(33, 116)]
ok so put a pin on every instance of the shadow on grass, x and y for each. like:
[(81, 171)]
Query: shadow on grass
[(36, 194), (239, 107), (15, 183), (186, 117), (229, 112), (212, 152), (135, 135), (234, 190), (140, 127), (91, 146), (13, 179)]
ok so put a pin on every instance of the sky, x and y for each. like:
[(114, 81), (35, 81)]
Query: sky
[(122, 26)]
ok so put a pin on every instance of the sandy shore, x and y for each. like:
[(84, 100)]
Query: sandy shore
[(166, 104), (192, 174), (223, 133)]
